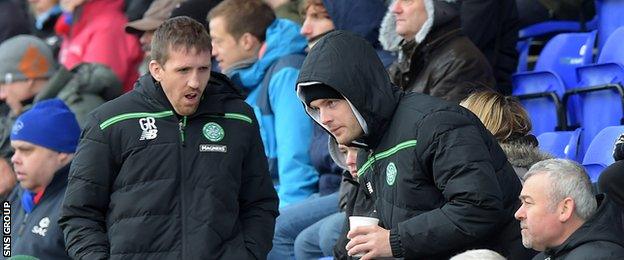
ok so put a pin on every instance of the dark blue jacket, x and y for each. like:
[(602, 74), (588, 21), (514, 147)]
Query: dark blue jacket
[(37, 233)]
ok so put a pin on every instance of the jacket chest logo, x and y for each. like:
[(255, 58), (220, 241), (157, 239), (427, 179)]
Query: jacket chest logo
[(391, 172), (148, 125), (213, 132), (42, 228)]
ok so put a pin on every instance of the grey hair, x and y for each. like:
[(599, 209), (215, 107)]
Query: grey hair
[(567, 179), (478, 254)]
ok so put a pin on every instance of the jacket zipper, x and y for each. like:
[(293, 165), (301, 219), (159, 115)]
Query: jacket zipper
[(181, 127), (23, 226)]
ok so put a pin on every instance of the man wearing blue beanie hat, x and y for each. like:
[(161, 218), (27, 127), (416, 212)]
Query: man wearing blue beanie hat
[(44, 139)]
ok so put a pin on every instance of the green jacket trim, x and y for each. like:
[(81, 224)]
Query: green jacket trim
[(236, 116), (384, 154), (122, 117)]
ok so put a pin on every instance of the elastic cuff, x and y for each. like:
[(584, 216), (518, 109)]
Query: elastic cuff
[(395, 243)]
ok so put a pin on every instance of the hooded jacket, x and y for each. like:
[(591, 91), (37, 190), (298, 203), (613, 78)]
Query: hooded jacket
[(148, 184), (286, 131), (97, 35), (440, 61), (523, 155), (600, 237), (440, 182)]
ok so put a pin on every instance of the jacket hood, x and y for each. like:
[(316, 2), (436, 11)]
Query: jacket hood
[(86, 78), (219, 89), (523, 155), (349, 64), (604, 225), (439, 13), (282, 38), (93, 8), (361, 17)]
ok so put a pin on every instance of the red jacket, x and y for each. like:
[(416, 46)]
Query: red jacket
[(97, 35)]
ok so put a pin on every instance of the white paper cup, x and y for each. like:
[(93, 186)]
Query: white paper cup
[(358, 221)]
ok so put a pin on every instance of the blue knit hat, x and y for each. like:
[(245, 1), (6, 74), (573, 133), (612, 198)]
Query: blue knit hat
[(50, 124)]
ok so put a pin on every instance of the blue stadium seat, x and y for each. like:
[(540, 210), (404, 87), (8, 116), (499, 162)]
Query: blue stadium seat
[(540, 91), (610, 18), (523, 54), (560, 144), (600, 152), (600, 93), (555, 27)]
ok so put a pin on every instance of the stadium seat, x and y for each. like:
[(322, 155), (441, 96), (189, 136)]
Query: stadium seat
[(609, 13), (560, 144), (600, 92), (599, 155), (540, 91)]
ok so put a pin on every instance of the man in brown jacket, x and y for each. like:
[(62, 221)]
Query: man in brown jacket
[(435, 57)]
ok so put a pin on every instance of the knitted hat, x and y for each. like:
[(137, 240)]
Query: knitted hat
[(50, 124), (25, 57), (319, 91)]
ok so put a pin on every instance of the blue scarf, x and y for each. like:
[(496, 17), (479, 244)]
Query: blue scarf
[(28, 201)]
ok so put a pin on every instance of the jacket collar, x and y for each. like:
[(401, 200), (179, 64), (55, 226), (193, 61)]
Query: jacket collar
[(219, 89), (604, 225)]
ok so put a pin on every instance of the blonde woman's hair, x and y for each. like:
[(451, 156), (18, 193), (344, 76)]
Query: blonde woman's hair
[(504, 116)]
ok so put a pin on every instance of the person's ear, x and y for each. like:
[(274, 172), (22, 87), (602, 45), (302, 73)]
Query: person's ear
[(566, 209), (156, 70), (249, 42)]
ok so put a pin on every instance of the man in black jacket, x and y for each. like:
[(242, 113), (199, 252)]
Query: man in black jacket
[(440, 182), (560, 217), (174, 169), (44, 139)]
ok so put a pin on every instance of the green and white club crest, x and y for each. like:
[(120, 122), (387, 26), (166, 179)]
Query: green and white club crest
[(391, 172), (213, 132)]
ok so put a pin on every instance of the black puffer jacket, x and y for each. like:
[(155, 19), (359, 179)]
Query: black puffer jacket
[(148, 184), (440, 61), (598, 238), (440, 181)]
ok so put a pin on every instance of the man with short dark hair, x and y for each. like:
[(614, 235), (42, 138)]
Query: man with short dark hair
[(561, 217), (263, 55), (174, 169), (439, 181)]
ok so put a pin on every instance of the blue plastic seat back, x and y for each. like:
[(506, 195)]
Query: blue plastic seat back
[(542, 111), (523, 54), (613, 49), (560, 144), (600, 109), (599, 155), (564, 53), (610, 18)]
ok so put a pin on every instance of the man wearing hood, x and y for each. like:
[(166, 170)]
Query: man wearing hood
[(263, 54), (561, 218), (440, 182), (435, 57)]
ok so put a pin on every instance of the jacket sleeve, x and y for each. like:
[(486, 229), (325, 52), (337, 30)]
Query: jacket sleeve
[(457, 158), (87, 197), (258, 200), (293, 132)]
